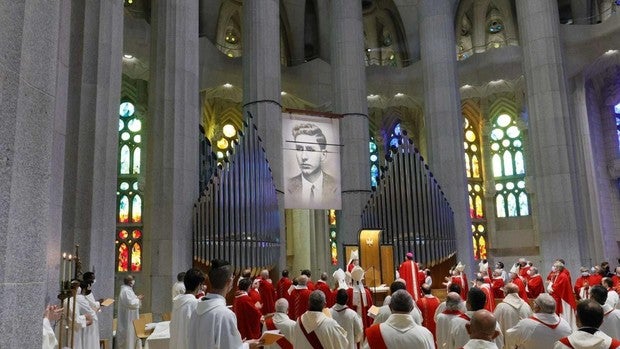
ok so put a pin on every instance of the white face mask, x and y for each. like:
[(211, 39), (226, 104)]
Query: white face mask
[(79, 290), (133, 282), (529, 272), (554, 269), (95, 280), (585, 274)]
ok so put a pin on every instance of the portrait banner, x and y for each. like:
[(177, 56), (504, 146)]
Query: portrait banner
[(311, 153)]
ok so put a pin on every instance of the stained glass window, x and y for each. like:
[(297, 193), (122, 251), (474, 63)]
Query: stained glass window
[(617, 112), (508, 165), (475, 187), (395, 137), (374, 162), (129, 193)]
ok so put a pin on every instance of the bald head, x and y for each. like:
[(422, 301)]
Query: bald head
[(453, 301), (511, 288), (302, 280), (482, 326), (264, 274)]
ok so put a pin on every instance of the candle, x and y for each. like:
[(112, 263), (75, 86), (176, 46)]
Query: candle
[(64, 266), (70, 268)]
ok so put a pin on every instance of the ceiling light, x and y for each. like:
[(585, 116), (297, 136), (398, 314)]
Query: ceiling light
[(282, 93), (127, 56), (227, 85), (398, 94), (229, 130)]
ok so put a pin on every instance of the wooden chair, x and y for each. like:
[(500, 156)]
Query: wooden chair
[(139, 326), (166, 316)]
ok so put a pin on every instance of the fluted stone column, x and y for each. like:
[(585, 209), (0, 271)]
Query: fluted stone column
[(349, 91), (261, 88), (172, 146), (442, 115), (92, 143), (551, 147), (28, 71)]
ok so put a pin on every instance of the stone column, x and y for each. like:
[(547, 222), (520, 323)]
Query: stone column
[(582, 11), (442, 115), (349, 91), (92, 145), (172, 146), (28, 71), (551, 148), (261, 88)]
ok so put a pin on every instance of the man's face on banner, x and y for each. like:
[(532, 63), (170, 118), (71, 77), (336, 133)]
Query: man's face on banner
[(309, 155)]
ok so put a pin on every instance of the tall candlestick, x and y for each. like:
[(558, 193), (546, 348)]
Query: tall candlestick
[(64, 266)]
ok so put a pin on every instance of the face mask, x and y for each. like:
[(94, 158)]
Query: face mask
[(554, 269), (79, 290), (95, 280), (585, 274), (133, 282), (529, 273)]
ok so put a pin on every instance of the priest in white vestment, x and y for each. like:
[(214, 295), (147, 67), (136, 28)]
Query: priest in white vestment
[(213, 325), (183, 306), (89, 334), (612, 296), (442, 306), (347, 319), (399, 331), (458, 332), (589, 318), (385, 312), (512, 309), (128, 310), (541, 330), (82, 320), (315, 329), (442, 320), (611, 316), (281, 322), (482, 331)]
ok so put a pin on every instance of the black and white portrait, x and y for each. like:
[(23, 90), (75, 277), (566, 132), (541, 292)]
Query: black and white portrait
[(311, 162)]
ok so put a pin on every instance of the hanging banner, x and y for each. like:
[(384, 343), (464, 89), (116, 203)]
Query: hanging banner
[(311, 152)]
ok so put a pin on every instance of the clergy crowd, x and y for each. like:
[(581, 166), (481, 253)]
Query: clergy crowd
[(510, 309)]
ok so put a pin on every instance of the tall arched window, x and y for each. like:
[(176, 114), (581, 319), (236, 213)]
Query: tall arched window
[(374, 162), (475, 187), (617, 112), (511, 200), (129, 195)]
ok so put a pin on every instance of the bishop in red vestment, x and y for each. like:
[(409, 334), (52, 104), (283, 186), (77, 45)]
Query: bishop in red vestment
[(283, 285), (535, 285), (322, 286), (561, 290), (428, 304), (360, 298), (409, 272), (299, 298)]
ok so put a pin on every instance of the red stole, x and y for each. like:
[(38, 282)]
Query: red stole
[(282, 342), (312, 338), (374, 337), (614, 343)]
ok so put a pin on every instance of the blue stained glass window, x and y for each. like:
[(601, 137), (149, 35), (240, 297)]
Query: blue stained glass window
[(617, 111), (397, 130), (394, 142), (374, 165)]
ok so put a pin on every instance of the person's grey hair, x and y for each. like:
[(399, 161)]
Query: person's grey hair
[(534, 270), (264, 273), (453, 301), (511, 288), (316, 301), (401, 302), (545, 303), (282, 305), (302, 280)]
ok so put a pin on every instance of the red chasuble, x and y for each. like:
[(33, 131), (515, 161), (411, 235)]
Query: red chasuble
[(299, 302), (562, 290), (283, 285), (462, 281), (427, 306), (496, 286), (329, 296), (522, 293), (535, 286), (409, 272), (582, 281), (248, 317), (268, 294)]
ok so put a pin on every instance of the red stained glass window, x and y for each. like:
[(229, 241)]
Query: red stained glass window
[(136, 257), (123, 258)]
